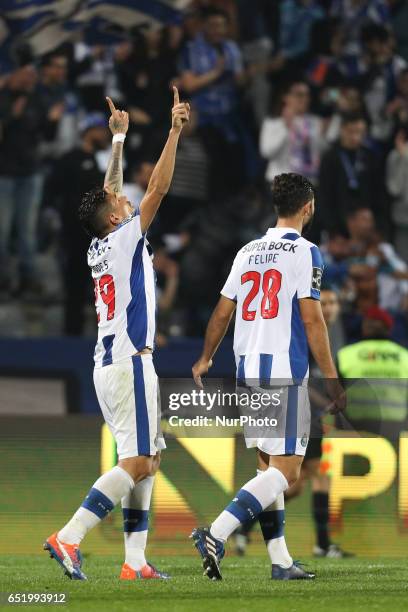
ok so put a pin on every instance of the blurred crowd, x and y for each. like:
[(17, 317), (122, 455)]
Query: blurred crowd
[(318, 88)]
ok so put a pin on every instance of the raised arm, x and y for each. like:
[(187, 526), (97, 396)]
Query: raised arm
[(118, 124), (216, 330), (163, 172)]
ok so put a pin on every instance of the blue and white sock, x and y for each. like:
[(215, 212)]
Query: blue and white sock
[(255, 496), (135, 507), (107, 491), (272, 522)]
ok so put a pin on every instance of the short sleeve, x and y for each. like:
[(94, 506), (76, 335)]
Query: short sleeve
[(129, 234), (310, 272), (232, 284)]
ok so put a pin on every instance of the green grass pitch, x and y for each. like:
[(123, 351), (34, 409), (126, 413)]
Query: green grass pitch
[(347, 585)]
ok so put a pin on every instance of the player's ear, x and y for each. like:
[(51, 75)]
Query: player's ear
[(114, 219), (308, 208)]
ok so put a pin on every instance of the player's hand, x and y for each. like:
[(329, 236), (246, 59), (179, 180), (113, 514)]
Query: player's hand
[(199, 368), (337, 395), (119, 120), (56, 111), (180, 113)]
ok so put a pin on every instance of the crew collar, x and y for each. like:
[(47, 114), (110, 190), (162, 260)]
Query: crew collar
[(284, 229)]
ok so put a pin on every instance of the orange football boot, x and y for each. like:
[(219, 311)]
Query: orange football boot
[(68, 556), (147, 572)]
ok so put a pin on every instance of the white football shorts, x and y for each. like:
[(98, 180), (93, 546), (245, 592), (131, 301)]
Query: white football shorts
[(289, 410), (128, 394)]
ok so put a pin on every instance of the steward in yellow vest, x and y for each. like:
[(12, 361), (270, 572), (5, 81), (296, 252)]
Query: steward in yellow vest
[(377, 369)]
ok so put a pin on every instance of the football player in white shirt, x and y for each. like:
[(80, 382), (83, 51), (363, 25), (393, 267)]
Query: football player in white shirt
[(124, 375), (274, 289)]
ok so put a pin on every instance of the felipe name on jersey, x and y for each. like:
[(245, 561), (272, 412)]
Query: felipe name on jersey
[(287, 247)]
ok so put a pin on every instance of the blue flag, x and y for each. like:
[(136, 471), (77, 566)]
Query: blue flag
[(39, 26)]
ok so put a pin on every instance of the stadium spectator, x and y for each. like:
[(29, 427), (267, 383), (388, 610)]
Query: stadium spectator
[(258, 35), (292, 141), (375, 73), (349, 175), (139, 180), (286, 56), (193, 22), (92, 70), (52, 82), (211, 249), (380, 70), (26, 121), (354, 15), (74, 174), (167, 272), (397, 183), (211, 72), (296, 20), (344, 271), (189, 189), (399, 21), (52, 88), (327, 41), (342, 101), (397, 109), (145, 66), (335, 252), (379, 275)]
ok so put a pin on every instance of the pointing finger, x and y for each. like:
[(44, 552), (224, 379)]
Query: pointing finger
[(176, 95), (179, 107), (111, 105)]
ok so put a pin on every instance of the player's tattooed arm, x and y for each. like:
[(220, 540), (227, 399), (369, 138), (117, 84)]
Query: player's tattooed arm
[(215, 332), (118, 124), (160, 180), (114, 173)]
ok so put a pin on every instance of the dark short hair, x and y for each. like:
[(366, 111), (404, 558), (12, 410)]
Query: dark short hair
[(352, 117), (356, 210), (336, 232), (375, 31), (290, 192), (48, 58), (93, 204), (213, 11), (325, 286)]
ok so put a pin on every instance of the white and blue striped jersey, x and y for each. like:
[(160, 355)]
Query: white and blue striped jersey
[(124, 280), (268, 277)]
